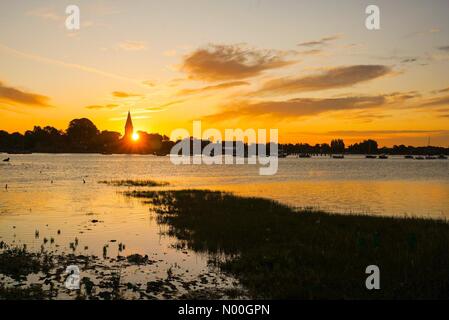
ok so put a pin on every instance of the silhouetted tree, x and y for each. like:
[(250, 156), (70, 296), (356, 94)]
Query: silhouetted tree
[(82, 134), (107, 140), (325, 148), (337, 146), (365, 147)]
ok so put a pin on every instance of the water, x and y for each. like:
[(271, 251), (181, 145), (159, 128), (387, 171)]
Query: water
[(395, 186)]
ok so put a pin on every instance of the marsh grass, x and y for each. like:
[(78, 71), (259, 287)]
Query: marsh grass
[(41, 275), (281, 253), (134, 183), (18, 263), (33, 292)]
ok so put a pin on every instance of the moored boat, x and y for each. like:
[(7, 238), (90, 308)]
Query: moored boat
[(304, 155)]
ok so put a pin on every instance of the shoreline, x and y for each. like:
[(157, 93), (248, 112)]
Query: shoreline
[(277, 252)]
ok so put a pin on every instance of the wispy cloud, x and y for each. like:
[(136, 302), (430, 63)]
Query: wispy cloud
[(221, 86), (68, 65), (439, 101), (170, 53), (424, 33), (443, 90), (386, 132), (170, 103), (21, 97), (130, 45), (122, 94), (97, 107), (330, 79), (145, 111), (321, 42), (230, 62), (312, 52), (124, 118), (296, 107), (149, 83), (46, 14)]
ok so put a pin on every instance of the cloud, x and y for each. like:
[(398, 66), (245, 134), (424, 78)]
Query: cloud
[(366, 117), (397, 97), (121, 94), (444, 90), (170, 53), (17, 96), (129, 45), (134, 117), (430, 31), (154, 109), (220, 86), (385, 132), (330, 79), (312, 52), (405, 59), (444, 48), (297, 107), (170, 103), (45, 13), (440, 101), (149, 83), (67, 64), (230, 62), (143, 111), (321, 42), (107, 106), (409, 60)]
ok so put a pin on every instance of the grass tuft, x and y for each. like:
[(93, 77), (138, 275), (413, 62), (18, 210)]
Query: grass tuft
[(134, 183), (281, 253)]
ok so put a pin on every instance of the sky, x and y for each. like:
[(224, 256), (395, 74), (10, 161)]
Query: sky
[(311, 69)]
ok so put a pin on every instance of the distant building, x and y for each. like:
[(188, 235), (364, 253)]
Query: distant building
[(129, 129)]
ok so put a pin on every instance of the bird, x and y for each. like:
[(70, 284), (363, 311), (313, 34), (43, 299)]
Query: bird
[(6, 186), (84, 181), (6, 160)]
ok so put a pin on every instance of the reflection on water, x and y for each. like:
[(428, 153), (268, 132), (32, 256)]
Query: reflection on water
[(47, 193)]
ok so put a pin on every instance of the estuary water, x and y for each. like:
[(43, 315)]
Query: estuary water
[(59, 196)]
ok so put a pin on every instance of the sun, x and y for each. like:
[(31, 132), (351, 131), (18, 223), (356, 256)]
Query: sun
[(135, 136)]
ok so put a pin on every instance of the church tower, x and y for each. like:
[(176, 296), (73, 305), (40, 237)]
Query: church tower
[(129, 129)]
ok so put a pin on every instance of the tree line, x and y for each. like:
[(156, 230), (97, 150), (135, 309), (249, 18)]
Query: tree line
[(82, 136)]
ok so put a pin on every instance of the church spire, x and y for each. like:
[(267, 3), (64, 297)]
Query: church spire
[(129, 129)]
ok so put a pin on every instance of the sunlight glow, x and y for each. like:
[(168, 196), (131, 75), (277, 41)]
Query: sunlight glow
[(135, 136)]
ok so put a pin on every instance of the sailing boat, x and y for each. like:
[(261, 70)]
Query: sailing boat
[(369, 155), (429, 157)]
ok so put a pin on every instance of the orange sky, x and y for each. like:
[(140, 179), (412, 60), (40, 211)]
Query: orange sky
[(312, 71)]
